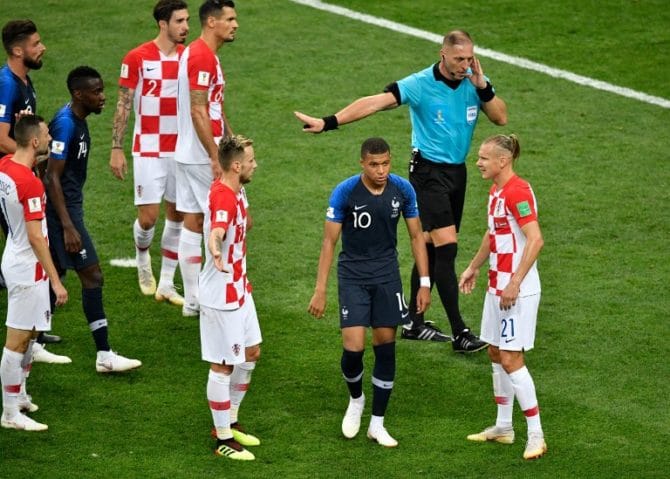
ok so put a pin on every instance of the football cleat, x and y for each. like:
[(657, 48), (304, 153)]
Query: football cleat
[(41, 355), (535, 446), (145, 277), (190, 310), (494, 433), (170, 295), (26, 403), (110, 362), (351, 422), (425, 332), (382, 437), (466, 342), (23, 423), (243, 437), (232, 449)]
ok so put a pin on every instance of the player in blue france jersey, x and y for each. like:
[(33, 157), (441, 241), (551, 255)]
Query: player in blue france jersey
[(71, 245), (365, 210)]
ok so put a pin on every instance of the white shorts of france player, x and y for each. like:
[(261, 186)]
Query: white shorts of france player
[(28, 307), (155, 179), (224, 334), (512, 329), (193, 183)]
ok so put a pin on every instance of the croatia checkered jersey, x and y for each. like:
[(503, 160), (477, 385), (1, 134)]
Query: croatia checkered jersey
[(227, 289), (199, 69), (510, 208), (23, 199), (153, 77)]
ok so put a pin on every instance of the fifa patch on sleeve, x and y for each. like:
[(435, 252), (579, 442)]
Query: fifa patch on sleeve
[(3, 109), (203, 78), (523, 208), (35, 204), (58, 147), (124, 70), (221, 216), (330, 212)]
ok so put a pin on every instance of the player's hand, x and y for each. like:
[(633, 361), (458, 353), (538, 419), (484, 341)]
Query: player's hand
[(317, 305), (60, 292), (72, 239), (468, 280), (422, 300), (509, 295), (477, 76), (216, 170), (310, 124), (214, 245), (118, 164)]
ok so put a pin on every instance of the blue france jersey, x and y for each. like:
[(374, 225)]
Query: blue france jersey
[(14, 97), (369, 228), (443, 119), (71, 143)]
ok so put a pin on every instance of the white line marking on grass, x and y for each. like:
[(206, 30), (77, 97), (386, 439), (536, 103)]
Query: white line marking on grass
[(124, 262), (485, 52)]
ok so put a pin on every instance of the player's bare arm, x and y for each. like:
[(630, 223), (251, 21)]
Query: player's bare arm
[(468, 278), (53, 176), (331, 235), (203, 128), (117, 160), (355, 111), (7, 144), (41, 249), (216, 237), (534, 244), (421, 259)]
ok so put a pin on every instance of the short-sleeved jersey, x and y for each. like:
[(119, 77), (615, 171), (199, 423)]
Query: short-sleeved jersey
[(369, 228), (443, 118), (14, 97), (199, 69), (22, 199), (71, 143), (510, 208), (226, 290), (153, 77)]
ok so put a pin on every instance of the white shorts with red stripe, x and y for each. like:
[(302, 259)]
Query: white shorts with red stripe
[(224, 335), (28, 307), (193, 183), (155, 179), (512, 329)]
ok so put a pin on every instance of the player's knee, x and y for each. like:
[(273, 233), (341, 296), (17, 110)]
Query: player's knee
[(92, 277), (511, 360)]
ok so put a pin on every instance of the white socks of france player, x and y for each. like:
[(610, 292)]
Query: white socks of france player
[(524, 389), (169, 253), (218, 396), (143, 239), (190, 258), (11, 377), (239, 384)]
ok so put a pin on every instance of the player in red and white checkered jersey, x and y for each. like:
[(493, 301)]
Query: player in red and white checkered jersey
[(148, 80), (511, 244), (230, 334), (27, 266), (202, 123)]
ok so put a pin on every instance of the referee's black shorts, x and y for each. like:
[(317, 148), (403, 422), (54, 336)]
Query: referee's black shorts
[(440, 191)]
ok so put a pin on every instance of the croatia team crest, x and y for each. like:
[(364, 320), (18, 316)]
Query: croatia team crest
[(139, 191), (236, 349)]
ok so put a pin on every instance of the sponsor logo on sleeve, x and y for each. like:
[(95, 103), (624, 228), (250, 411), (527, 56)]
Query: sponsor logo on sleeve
[(523, 208), (57, 147), (221, 216), (471, 114), (3, 109), (203, 78), (124, 70), (35, 204)]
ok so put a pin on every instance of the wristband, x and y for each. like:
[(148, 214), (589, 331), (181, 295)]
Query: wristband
[(330, 123), (486, 94), (424, 282), (117, 148)]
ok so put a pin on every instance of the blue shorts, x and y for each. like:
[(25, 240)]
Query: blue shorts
[(372, 305), (86, 257)]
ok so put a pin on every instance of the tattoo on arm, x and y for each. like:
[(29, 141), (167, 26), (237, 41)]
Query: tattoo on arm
[(121, 116), (199, 97)]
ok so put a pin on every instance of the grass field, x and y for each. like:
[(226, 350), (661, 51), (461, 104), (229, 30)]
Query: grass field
[(598, 164)]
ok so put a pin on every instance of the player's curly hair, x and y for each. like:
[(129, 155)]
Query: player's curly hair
[(508, 143), (230, 148)]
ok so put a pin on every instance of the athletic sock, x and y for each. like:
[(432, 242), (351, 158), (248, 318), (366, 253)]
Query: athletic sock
[(169, 252), (91, 300), (524, 389), (447, 285), (239, 385), (503, 392), (352, 370), (26, 367), (190, 257), (11, 377), (143, 239), (417, 318), (218, 396), (382, 377)]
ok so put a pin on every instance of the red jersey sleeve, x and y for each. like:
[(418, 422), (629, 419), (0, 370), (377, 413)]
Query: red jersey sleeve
[(32, 198), (201, 70), (222, 208), (130, 67), (521, 203)]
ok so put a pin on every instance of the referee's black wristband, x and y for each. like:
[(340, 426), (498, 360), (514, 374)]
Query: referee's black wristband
[(486, 94), (330, 123)]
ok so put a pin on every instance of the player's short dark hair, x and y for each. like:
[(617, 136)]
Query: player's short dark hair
[(77, 78), (15, 32), (230, 148), (27, 128), (213, 8), (374, 146), (164, 8)]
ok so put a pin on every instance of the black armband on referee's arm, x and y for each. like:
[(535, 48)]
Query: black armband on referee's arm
[(330, 123), (486, 94)]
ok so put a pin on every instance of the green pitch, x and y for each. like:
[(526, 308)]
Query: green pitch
[(598, 164)]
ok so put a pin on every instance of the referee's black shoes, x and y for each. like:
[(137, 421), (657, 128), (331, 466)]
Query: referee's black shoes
[(466, 342), (425, 332)]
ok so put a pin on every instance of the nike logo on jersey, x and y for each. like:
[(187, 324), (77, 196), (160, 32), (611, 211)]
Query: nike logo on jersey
[(404, 315), (82, 136), (356, 207), (151, 69)]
